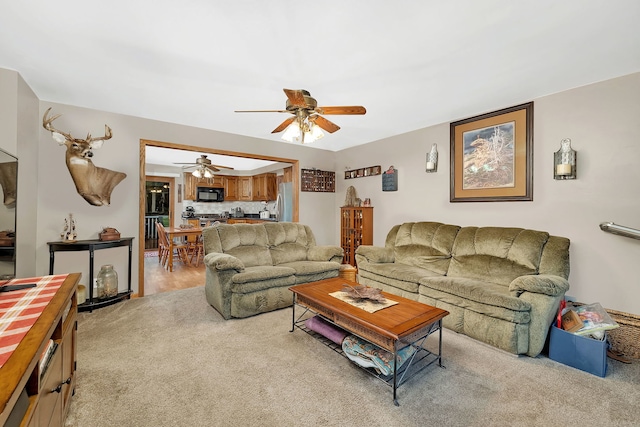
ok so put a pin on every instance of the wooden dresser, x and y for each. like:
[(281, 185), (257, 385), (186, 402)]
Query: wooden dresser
[(32, 393)]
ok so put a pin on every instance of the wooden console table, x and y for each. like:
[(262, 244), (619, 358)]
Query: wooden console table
[(91, 246), (33, 393)]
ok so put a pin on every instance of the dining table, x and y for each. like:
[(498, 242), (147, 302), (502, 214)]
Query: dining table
[(173, 232)]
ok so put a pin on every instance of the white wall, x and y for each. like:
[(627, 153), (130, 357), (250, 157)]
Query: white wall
[(602, 122), (58, 196)]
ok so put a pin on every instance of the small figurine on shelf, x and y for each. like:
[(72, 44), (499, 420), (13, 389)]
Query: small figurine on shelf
[(69, 232)]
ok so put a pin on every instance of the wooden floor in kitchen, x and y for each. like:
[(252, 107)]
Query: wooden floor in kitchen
[(158, 279)]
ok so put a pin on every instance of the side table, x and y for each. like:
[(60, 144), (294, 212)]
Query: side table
[(91, 246), (348, 272)]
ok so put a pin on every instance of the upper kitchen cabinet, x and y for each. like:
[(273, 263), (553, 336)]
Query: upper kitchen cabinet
[(230, 188), (191, 183), (244, 188), (264, 187)]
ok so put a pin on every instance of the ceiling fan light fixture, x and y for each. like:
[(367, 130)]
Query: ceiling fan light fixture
[(208, 174), (197, 173), (295, 131), (314, 133), (292, 133)]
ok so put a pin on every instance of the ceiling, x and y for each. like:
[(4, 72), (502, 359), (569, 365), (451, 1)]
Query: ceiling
[(412, 64)]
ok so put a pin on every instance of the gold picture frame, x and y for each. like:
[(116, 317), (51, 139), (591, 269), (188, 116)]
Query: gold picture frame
[(492, 156)]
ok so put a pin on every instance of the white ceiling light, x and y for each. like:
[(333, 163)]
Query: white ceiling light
[(303, 131)]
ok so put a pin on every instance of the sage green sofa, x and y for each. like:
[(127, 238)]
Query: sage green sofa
[(250, 267), (500, 285)]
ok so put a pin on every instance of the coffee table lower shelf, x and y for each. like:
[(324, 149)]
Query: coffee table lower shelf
[(421, 358)]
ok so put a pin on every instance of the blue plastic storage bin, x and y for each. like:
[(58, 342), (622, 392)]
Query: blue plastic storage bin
[(586, 354)]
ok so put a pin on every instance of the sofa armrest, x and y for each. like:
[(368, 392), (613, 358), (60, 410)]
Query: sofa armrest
[(545, 284), (325, 253), (220, 262), (376, 254)]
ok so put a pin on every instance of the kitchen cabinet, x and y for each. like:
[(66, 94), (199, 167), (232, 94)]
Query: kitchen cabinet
[(356, 228), (264, 187), (35, 393), (230, 188), (191, 183), (245, 221), (244, 188)]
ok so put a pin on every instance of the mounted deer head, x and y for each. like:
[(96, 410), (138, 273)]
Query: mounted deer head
[(93, 183)]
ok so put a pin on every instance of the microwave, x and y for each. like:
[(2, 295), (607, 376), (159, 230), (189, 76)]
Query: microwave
[(208, 194)]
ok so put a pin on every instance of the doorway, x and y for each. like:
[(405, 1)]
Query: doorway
[(295, 168), (158, 207)]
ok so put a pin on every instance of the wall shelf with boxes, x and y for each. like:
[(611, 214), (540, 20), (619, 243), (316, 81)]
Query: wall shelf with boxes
[(362, 172), (316, 180)]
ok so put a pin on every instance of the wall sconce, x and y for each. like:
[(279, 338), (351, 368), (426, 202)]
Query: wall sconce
[(564, 161), (432, 159)]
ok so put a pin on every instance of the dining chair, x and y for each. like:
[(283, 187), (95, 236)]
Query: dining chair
[(198, 249), (179, 248)]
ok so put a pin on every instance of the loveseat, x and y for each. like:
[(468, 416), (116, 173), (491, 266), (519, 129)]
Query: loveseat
[(250, 267), (500, 285)]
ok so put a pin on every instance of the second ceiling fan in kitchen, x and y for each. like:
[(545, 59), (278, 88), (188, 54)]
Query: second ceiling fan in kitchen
[(204, 168)]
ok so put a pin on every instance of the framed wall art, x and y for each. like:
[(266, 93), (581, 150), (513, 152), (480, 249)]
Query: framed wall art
[(492, 156)]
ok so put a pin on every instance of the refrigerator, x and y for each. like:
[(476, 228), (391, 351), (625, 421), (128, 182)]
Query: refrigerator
[(284, 202)]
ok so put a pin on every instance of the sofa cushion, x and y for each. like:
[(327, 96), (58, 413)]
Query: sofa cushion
[(401, 276), (425, 244), (246, 242), (288, 241), (496, 254), (312, 271), (261, 277), (475, 290)]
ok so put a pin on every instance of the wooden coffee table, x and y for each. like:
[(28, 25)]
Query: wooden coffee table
[(392, 328)]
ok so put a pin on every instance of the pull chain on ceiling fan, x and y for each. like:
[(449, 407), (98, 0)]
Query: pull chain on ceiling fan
[(306, 125)]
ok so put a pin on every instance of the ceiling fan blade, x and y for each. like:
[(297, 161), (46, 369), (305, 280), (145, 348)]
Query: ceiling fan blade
[(262, 111), (221, 167), (296, 97), (324, 123), (343, 110), (283, 125)]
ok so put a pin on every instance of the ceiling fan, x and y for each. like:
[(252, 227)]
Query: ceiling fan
[(204, 167), (307, 121)]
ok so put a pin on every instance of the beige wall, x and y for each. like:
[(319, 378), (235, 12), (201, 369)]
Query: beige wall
[(18, 137), (601, 119), (602, 122), (58, 196)]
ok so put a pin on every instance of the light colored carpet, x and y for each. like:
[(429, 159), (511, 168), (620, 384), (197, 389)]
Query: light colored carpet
[(171, 360)]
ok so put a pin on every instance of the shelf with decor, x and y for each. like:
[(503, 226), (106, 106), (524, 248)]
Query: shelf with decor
[(362, 172), (316, 180)]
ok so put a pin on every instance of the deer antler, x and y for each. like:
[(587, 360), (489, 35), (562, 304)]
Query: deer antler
[(107, 135), (46, 123)]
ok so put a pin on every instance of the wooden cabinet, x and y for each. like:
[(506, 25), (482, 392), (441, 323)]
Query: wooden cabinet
[(244, 221), (356, 228), (264, 187), (230, 188), (244, 188), (29, 395), (191, 183)]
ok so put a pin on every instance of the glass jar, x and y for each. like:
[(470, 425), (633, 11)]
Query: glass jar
[(107, 282)]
